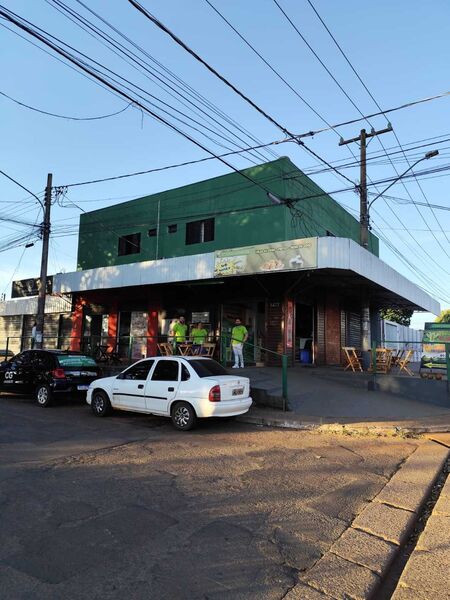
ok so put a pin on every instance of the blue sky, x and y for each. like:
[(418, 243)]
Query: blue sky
[(400, 49)]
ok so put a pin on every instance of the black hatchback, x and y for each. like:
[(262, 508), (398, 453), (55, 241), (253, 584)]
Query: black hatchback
[(47, 373)]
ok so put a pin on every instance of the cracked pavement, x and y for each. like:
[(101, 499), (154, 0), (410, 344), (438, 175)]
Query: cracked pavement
[(127, 507)]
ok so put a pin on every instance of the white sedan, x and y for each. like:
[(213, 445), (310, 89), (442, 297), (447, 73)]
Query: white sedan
[(183, 388)]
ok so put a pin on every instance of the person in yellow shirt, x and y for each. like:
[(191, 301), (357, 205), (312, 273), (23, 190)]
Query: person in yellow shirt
[(239, 336), (199, 336), (179, 329)]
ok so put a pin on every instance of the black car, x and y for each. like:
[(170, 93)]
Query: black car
[(47, 373)]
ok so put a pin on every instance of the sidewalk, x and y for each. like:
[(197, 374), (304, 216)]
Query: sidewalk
[(342, 404)]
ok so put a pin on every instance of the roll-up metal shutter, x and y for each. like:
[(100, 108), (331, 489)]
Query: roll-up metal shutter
[(320, 333), (51, 331), (11, 327), (354, 329), (28, 322), (65, 331)]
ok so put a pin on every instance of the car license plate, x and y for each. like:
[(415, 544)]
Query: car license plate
[(82, 388), (238, 391)]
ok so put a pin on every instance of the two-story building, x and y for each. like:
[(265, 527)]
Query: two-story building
[(218, 249)]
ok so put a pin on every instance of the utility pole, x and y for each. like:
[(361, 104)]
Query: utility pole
[(44, 260), (363, 211), (364, 232)]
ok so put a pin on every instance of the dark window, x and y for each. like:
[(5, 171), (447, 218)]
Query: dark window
[(185, 376), (152, 232), (166, 370), (330, 233), (172, 228), (198, 232), (42, 361), (139, 371), (207, 367), (129, 244), (22, 359)]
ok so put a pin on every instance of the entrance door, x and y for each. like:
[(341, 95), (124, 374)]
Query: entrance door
[(129, 387), (162, 387)]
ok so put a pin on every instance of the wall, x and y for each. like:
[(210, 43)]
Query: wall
[(255, 221)]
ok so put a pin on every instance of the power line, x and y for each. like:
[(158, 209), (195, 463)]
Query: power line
[(23, 187), (176, 39), (44, 112)]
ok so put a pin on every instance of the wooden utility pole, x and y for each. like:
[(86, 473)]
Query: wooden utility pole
[(363, 211), (364, 232), (44, 260)]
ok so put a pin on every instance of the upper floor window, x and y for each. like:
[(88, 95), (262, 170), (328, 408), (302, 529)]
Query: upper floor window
[(152, 232), (198, 232), (172, 228), (129, 244), (330, 233)]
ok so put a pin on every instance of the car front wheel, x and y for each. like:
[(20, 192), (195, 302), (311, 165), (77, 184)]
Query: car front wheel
[(183, 416), (43, 395), (100, 404)]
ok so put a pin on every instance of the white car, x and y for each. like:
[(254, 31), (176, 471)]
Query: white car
[(183, 388)]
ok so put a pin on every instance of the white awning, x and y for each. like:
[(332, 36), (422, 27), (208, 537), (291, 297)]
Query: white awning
[(332, 253)]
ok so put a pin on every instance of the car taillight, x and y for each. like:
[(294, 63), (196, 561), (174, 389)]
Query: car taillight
[(59, 373), (214, 394)]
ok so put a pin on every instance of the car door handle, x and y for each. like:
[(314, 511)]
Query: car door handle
[(141, 386), (170, 389)]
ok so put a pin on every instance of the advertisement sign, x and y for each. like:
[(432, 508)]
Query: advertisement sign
[(30, 287), (435, 336), (291, 255), (138, 329), (289, 324)]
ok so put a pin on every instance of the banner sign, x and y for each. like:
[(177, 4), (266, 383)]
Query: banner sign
[(435, 336), (291, 255), (30, 287)]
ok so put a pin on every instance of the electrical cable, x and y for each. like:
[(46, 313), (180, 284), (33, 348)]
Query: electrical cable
[(44, 112)]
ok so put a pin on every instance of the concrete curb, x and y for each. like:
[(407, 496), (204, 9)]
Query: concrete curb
[(357, 562), (289, 421)]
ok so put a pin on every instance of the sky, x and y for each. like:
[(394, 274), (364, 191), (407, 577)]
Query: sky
[(399, 49)]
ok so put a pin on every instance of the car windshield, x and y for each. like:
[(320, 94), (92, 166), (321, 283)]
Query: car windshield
[(207, 367), (75, 360)]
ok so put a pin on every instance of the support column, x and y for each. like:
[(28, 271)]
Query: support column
[(365, 332), (113, 325), (77, 325), (152, 331), (332, 330)]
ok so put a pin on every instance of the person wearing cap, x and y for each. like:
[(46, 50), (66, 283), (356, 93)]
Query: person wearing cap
[(239, 336)]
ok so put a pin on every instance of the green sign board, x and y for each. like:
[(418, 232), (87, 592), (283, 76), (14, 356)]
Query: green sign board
[(435, 336), (291, 255)]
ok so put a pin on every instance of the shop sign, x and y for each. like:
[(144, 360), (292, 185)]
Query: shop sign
[(30, 287), (435, 336), (138, 329), (291, 255), (200, 317)]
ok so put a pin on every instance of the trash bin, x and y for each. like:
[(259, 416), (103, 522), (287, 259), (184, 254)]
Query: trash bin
[(305, 356)]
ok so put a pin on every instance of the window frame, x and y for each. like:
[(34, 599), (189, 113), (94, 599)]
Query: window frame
[(122, 376), (167, 380), (128, 247), (205, 226)]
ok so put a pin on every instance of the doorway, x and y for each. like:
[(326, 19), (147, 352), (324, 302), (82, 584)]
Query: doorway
[(304, 332)]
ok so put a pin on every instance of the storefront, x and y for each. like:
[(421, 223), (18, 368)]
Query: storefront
[(302, 298)]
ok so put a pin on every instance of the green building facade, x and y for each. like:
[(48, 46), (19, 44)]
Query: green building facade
[(223, 212)]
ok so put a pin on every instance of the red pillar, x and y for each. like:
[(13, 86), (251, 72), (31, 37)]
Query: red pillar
[(77, 325), (113, 325), (152, 331)]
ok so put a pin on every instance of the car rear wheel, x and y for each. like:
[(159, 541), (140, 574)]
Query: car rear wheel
[(100, 404), (43, 395), (183, 416)]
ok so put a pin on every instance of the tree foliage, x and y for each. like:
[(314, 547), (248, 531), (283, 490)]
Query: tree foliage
[(444, 317), (397, 315)]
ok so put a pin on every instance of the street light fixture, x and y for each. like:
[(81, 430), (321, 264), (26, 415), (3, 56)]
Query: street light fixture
[(427, 156)]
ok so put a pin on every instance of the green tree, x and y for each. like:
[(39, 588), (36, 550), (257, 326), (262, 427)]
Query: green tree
[(444, 317), (397, 315)]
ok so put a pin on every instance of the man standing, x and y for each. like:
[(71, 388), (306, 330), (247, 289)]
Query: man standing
[(198, 336), (239, 336), (179, 329)]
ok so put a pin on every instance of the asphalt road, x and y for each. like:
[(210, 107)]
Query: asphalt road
[(126, 507)]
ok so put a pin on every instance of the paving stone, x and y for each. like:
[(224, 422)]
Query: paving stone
[(404, 494), (304, 592), (424, 464), (389, 523), (365, 549), (406, 593), (436, 534), (442, 506), (427, 572), (341, 578)]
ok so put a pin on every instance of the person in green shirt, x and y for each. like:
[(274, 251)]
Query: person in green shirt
[(198, 337), (179, 329), (239, 336)]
